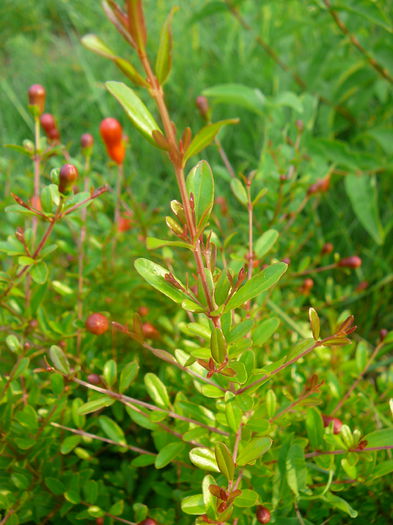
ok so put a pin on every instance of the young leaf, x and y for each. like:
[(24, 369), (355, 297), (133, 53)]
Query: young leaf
[(218, 345), (157, 390), (138, 113), (168, 454), (164, 55), (341, 504), (204, 137), (204, 458), (69, 444), (40, 273), (154, 274), (224, 461), (193, 504), (95, 44), (20, 367), (253, 450), (59, 360), (200, 183), (258, 284), (239, 191), (110, 372), (315, 323)]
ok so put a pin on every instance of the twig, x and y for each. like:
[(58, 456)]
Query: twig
[(370, 59)]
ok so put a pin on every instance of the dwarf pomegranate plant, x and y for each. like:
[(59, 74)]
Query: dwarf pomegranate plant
[(241, 415)]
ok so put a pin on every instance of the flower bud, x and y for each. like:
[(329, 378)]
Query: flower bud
[(320, 186), (94, 379), (143, 311), (363, 285), (382, 334), (337, 423), (36, 96), (111, 132), (97, 324), (87, 141), (202, 104), (350, 262), (148, 521), (47, 121), (327, 248), (263, 514), (67, 176), (124, 224), (117, 152), (150, 331)]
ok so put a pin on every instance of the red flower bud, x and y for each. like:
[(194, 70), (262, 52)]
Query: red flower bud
[(350, 262), (117, 152), (286, 260), (202, 104), (148, 521), (150, 331), (320, 186), (263, 514), (36, 96), (68, 175), (383, 333), (124, 224), (97, 324), (94, 379), (143, 311), (87, 141), (47, 121), (111, 132), (327, 248), (363, 285), (337, 424)]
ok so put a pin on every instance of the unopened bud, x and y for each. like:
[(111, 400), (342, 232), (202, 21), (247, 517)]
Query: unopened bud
[(36, 96), (382, 334), (337, 424), (263, 514), (320, 186), (350, 262), (87, 141), (327, 248), (67, 176), (202, 104), (174, 226), (178, 210)]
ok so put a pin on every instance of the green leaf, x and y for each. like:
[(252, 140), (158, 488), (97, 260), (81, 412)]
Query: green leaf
[(380, 438), (204, 458), (153, 244), (157, 390), (224, 460), (164, 55), (154, 274), (248, 498), (135, 109), (218, 345), (127, 376), (314, 427), (289, 99), (200, 183), (382, 469), (205, 137), (54, 485), (258, 284), (95, 44), (341, 504), (253, 450), (59, 360), (110, 372), (208, 10), (208, 498), (168, 454), (265, 330), (362, 192), (265, 243), (95, 404), (112, 430), (13, 343), (239, 191), (239, 95), (314, 322), (143, 461), (69, 444), (193, 504), (40, 273), (296, 469)]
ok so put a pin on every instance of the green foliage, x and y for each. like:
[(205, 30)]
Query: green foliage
[(198, 409)]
